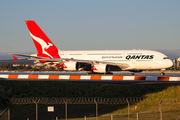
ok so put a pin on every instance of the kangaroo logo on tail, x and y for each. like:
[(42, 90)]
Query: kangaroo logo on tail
[(44, 46)]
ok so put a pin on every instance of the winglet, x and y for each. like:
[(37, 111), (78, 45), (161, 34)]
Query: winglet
[(15, 58)]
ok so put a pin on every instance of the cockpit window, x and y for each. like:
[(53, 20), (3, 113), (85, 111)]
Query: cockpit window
[(165, 58)]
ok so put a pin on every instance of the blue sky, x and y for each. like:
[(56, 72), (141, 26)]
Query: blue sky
[(91, 24)]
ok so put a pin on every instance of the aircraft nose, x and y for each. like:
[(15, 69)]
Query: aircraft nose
[(169, 63)]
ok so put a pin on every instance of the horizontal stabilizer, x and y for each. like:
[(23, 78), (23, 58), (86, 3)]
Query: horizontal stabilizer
[(15, 58), (28, 56)]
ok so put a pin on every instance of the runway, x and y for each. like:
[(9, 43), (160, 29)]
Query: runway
[(117, 79)]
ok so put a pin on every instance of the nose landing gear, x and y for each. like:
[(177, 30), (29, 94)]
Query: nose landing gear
[(162, 72)]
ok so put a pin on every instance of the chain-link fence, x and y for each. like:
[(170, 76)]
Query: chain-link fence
[(134, 108)]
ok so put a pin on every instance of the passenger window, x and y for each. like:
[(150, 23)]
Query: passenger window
[(165, 58)]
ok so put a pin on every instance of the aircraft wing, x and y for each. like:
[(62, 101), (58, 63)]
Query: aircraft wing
[(63, 60)]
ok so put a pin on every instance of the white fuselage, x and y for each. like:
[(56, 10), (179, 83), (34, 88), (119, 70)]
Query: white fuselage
[(137, 59)]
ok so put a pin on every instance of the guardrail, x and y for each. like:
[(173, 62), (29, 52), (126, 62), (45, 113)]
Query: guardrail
[(87, 77)]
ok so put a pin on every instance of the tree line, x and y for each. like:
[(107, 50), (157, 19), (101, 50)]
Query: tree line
[(24, 67)]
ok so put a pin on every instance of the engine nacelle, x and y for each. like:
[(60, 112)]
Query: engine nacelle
[(71, 66), (101, 68), (39, 64)]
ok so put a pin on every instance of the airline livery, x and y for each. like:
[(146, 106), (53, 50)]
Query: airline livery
[(98, 61)]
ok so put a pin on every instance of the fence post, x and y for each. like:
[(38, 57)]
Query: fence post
[(56, 118), (36, 108), (160, 109), (137, 116), (66, 110), (96, 109), (36, 111), (128, 108), (9, 113), (161, 115), (65, 102), (111, 117)]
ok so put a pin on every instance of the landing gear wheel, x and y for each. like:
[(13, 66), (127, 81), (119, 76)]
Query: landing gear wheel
[(162, 73), (89, 72), (132, 73), (109, 73)]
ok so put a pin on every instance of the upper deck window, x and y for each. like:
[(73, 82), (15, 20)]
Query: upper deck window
[(165, 58)]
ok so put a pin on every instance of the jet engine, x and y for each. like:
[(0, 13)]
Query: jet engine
[(101, 68), (38, 64), (71, 66)]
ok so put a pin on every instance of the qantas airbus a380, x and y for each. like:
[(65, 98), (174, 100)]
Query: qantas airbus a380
[(98, 61)]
